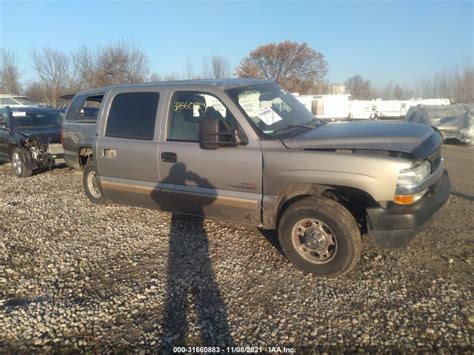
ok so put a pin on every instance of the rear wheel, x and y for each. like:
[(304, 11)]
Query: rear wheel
[(320, 236), (92, 185), (19, 159)]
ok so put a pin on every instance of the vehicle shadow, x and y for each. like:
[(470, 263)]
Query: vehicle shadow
[(455, 141), (272, 238), (192, 294), (46, 169), (462, 195)]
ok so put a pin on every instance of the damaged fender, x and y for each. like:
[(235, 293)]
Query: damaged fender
[(38, 152), (453, 121)]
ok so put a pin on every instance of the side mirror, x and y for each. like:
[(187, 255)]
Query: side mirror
[(208, 133)]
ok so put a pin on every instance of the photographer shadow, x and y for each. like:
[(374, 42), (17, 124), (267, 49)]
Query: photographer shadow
[(192, 295)]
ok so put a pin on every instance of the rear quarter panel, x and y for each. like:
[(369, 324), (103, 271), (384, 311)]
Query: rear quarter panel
[(77, 135)]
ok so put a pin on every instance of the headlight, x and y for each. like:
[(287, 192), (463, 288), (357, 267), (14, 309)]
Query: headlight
[(412, 177)]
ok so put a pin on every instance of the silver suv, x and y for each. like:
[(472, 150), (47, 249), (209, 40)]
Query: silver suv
[(247, 151)]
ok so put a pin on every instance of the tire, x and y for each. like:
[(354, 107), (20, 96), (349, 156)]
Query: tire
[(320, 236), (20, 162), (92, 186)]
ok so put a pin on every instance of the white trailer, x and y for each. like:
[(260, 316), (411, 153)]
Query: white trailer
[(340, 107)]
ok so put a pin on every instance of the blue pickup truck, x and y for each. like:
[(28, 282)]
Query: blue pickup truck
[(30, 138)]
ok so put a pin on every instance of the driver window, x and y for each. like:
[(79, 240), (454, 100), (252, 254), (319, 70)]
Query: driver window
[(187, 110)]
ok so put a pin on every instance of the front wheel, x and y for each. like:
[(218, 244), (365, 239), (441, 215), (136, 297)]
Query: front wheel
[(19, 159), (92, 185), (320, 236)]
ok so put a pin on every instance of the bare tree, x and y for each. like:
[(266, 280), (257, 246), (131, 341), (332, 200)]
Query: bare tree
[(359, 88), (464, 86), (171, 77), (34, 91), (458, 86), (215, 67), (121, 62), (296, 66), (189, 72), (52, 68), (206, 69), (85, 67), (320, 87), (220, 67), (155, 77), (116, 63), (9, 74)]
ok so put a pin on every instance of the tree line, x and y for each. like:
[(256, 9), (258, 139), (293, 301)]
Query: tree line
[(456, 85), (296, 66)]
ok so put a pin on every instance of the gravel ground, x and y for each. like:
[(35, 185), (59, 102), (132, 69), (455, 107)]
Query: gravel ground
[(78, 276)]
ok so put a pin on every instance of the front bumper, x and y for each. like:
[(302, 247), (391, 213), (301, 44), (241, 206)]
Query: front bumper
[(46, 160), (396, 225)]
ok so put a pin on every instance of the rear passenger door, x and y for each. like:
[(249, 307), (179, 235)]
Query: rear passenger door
[(225, 183), (126, 149)]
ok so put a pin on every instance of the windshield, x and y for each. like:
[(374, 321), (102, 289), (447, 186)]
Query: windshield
[(22, 100), (29, 119), (273, 110)]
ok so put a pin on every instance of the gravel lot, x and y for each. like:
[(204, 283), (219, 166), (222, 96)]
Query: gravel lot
[(78, 276)]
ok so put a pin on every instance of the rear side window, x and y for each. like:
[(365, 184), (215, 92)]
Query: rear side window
[(132, 115), (84, 107)]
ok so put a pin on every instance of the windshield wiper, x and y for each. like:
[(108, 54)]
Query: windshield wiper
[(316, 122), (292, 126), (313, 123)]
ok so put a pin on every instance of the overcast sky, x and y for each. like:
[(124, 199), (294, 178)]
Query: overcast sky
[(381, 40)]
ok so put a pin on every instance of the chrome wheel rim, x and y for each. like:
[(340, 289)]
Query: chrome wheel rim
[(92, 185), (17, 165), (314, 241)]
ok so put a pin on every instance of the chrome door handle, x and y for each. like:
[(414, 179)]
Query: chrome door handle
[(169, 157), (109, 153)]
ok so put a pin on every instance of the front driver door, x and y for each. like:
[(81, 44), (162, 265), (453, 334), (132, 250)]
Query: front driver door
[(225, 183), (4, 135)]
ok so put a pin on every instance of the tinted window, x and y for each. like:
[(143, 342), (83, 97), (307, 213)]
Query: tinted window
[(30, 119), (187, 110), (132, 115)]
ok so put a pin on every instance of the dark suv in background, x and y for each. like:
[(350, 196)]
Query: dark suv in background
[(30, 138)]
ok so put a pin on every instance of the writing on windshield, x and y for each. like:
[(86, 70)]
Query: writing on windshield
[(271, 108)]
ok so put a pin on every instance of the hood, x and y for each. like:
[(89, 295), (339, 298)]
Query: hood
[(396, 136), (46, 135)]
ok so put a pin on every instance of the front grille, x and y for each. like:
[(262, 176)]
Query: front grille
[(435, 159)]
